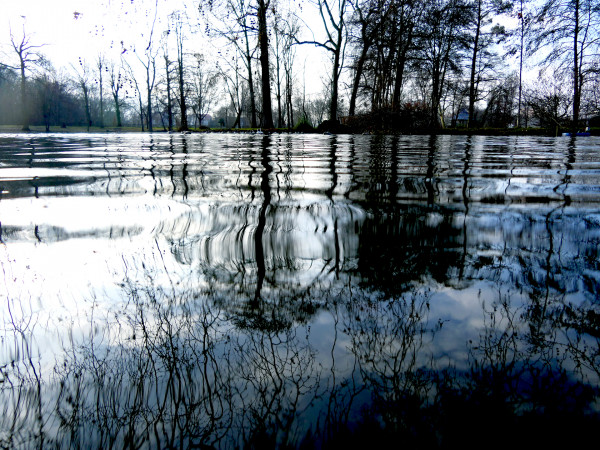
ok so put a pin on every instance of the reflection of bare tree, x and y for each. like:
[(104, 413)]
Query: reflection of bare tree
[(389, 338), (21, 381), (278, 377), (165, 369), (160, 375)]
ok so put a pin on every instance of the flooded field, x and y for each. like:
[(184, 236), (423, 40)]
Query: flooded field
[(286, 291)]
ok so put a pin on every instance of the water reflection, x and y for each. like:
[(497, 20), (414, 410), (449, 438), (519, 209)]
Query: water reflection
[(277, 290)]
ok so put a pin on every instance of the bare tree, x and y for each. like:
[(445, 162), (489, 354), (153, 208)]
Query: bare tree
[(238, 28), (570, 29), (203, 84), (440, 40), (285, 29), (480, 42), (28, 55), (136, 87), (117, 80), (178, 19), (101, 66), (149, 64), (83, 81), (265, 76), (333, 17), (168, 80)]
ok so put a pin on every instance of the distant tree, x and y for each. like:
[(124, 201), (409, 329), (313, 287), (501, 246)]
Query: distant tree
[(9, 94), (101, 67), (242, 20), (84, 82), (234, 88), (383, 37), (28, 55), (54, 102), (591, 94), (285, 30), (406, 19), (518, 41), (231, 22), (366, 24), (148, 61), (500, 109), (550, 102), (168, 80), (117, 81), (480, 41), (203, 85), (440, 43), (333, 17), (570, 30), (131, 75)]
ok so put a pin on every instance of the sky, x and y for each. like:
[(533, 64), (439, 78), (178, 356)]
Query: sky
[(70, 29)]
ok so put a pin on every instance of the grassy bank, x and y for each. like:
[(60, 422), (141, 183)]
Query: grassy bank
[(340, 130)]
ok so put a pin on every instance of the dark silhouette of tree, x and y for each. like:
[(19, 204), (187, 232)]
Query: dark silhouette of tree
[(285, 29), (179, 23), (441, 39), (481, 41), (237, 26), (265, 73), (333, 17)]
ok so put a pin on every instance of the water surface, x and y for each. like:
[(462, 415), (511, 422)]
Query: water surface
[(254, 291)]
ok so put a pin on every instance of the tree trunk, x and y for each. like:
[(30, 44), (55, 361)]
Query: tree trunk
[(101, 86), (263, 42), (182, 105), (24, 109), (149, 118), (357, 76), (86, 98), (472, 90), (576, 70), (117, 110), (400, 65)]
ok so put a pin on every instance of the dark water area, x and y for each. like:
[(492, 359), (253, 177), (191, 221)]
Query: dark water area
[(291, 291)]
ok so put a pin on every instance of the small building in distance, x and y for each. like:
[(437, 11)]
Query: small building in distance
[(462, 118)]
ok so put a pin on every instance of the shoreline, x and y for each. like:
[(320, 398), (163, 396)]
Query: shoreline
[(12, 129)]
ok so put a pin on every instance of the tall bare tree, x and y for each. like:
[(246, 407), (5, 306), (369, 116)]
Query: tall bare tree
[(168, 80), (83, 81), (333, 18), (28, 55), (234, 20), (149, 63), (203, 84), (481, 40), (179, 24), (265, 73), (117, 80), (101, 66), (570, 29)]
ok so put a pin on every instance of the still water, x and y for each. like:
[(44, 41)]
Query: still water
[(259, 291)]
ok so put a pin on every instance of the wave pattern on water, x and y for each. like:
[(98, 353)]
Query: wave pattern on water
[(237, 290)]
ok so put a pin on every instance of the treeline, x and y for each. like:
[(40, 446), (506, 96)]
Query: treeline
[(394, 65)]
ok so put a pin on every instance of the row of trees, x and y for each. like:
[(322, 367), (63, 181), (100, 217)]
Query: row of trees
[(402, 63)]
